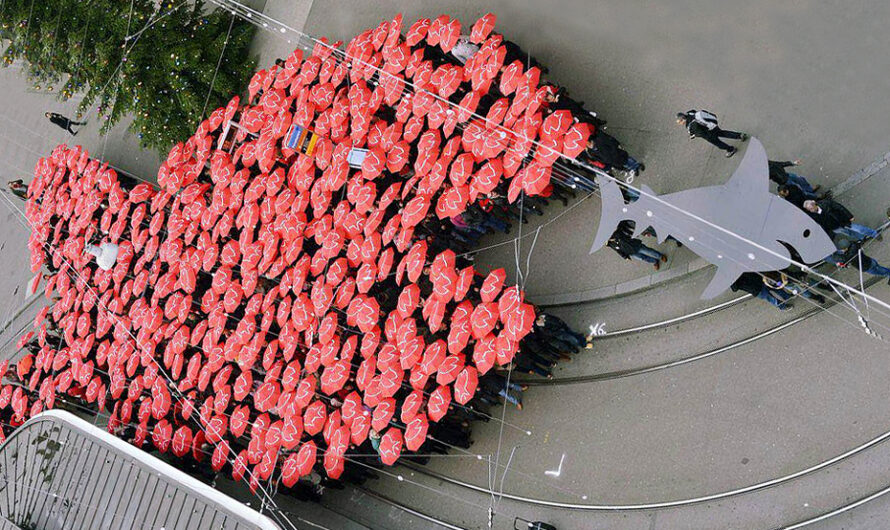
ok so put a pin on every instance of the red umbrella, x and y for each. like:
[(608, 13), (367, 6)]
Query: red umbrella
[(216, 429), (314, 418), (556, 124), (161, 435), (518, 322), (306, 458), (239, 466), (220, 456), (291, 432), (449, 34), (483, 319), (290, 471), (383, 412), (511, 77), (452, 202), (439, 400), (492, 285), (182, 441), (334, 377), (391, 446), (509, 300), (465, 385), (484, 353), (239, 420), (361, 425), (417, 31), (575, 140), (415, 432), (535, 178), (408, 300), (482, 28)]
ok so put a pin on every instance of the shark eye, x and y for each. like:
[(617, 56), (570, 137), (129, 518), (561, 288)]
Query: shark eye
[(806, 233)]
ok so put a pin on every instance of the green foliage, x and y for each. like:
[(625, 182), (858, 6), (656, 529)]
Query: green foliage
[(156, 63)]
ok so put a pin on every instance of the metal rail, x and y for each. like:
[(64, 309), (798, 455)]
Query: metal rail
[(675, 320), (838, 511), (617, 374), (420, 515)]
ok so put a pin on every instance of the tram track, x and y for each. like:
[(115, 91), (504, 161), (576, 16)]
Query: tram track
[(618, 374)]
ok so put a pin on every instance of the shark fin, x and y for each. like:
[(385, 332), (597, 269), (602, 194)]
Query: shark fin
[(724, 277), (612, 214), (752, 175)]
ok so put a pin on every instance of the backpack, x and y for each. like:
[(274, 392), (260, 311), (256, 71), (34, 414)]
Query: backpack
[(705, 118)]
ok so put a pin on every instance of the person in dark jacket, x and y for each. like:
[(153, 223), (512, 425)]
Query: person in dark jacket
[(849, 255), (794, 195), (752, 283), (18, 188), (558, 99), (833, 217), (606, 149), (63, 122), (779, 175), (631, 248), (712, 134)]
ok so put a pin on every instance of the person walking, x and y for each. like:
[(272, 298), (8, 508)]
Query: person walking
[(631, 248), (63, 122), (849, 254), (701, 123), (832, 216), (18, 188), (752, 283)]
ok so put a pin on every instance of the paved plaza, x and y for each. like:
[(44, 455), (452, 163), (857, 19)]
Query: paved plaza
[(807, 78)]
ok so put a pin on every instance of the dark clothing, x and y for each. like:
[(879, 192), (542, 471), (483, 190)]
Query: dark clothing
[(748, 282), (777, 171), (19, 189), (712, 136), (833, 215), (607, 149), (624, 246), (64, 122), (795, 196)]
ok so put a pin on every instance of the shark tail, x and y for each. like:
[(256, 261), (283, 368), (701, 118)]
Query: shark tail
[(613, 211)]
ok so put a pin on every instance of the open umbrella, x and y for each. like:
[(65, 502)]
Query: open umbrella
[(314, 418), (383, 412), (492, 285), (391, 446), (439, 400), (465, 385), (482, 28), (415, 432)]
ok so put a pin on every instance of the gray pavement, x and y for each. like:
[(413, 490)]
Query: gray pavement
[(807, 78), (804, 77)]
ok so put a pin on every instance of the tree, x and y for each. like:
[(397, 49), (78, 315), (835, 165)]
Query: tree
[(156, 61)]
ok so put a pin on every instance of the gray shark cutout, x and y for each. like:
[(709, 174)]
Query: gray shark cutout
[(744, 205)]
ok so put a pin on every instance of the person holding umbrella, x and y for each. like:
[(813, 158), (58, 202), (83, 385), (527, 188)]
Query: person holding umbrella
[(63, 122)]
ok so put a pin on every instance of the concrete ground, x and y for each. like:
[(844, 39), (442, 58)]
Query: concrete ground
[(806, 78)]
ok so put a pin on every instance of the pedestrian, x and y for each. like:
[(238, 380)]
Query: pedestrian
[(631, 248), (833, 217), (701, 123), (780, 176), (18, 188), (556, 328), (605, 149), (779, 281), (63, 122), (849, 254), (751, 283)]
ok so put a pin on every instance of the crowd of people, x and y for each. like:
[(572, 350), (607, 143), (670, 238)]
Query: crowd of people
[(779, 287), (280, 316)]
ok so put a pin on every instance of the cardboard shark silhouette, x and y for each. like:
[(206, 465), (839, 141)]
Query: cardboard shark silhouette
[(744, 205)]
